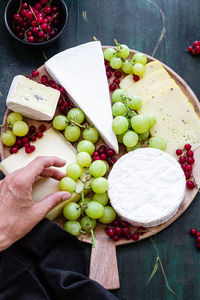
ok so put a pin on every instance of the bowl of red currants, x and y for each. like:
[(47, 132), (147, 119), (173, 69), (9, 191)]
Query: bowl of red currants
[(36, 22)]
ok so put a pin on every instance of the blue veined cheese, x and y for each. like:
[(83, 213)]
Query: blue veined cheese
[(31, 99), (146, 187)]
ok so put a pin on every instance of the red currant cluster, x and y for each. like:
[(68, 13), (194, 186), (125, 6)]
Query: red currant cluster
[(105, 153), (121, 228), (195, 49), (196, 234), (116, 81), (64, 103), (24, 141), (186, 161), (37, 23)]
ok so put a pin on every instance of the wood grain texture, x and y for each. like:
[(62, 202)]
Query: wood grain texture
[(137, 23)]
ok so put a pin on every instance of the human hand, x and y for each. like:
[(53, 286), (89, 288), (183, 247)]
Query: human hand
[(18, 212)]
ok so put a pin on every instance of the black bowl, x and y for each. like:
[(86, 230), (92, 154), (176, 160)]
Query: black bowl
[(12, 7)]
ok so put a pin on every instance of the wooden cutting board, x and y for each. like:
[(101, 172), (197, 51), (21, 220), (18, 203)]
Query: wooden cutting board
[(103, 262)]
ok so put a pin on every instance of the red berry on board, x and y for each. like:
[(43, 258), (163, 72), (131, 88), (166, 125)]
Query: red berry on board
[(198, 245), (196, 43), (32, 147), (190, 48), (14, 150), (111, 69), (187, 147), (27, 145), (105, 62), (110, 152), (118, 231), (135, 237), (193, 52), (65, 104), (107, 68), (28, 150), (190, 160), (136, 77), (189, 153), (35, 73), (19, 142), (182, 159), (39, 134), (33, 138), (62, 90), (198, 239), (116, 81), (188, 168), (197, 234), (197, 49), (110, 232), (124, 224), (118, 74), (187, 174), (193, 231), (95, 154), (108, 74), (25, 140), (114, 160), (179, 151), (103, 156), (97, 158), (126, 231), (112, 87), (115, 238), (42, 128), (116, 223), (44, 79), (190, 184)]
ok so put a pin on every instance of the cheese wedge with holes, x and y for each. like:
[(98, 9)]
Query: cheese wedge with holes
[(177, 121), (149, 69), (81, 71), (52, 143), (31, 99)]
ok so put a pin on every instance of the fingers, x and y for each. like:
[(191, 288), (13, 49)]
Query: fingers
[(50, 201), (37, 166), (52, 172)]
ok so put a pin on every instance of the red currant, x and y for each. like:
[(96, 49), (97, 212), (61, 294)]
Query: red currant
[(136, 77), (190, 184), (135, 237), (179, 151), (189, 153), (182, 159), (193, 231), (35, 73)]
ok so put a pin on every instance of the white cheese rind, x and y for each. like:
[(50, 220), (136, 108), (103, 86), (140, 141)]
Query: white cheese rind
[(81, 71), (146, 187), (31, 99)]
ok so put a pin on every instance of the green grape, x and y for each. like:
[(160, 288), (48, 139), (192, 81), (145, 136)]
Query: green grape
[(100, 185), (74, 171), (94, 210), (76, 114), (87, 224), (127, 67), (120, 138), (107, 166), (138, 69), (91, 134), (8, 138), (73, 227), (157, 142), (67, 184), (101, 198), (72, 133), (118, 109), (144, 136), (109, 53), (120, 125), (72, 211), (152, 119), (118, 95), (13, 117), (124, 51), (86, 146), (140, 123), (130, 138), (134, 102), (139, 58), (138, 145), (116, 63), (85, 201), (60, 122), (83, 159), (20, 128), (109, 215), (97, 168)]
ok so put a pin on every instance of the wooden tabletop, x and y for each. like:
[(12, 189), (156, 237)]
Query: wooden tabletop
[(163, 29)]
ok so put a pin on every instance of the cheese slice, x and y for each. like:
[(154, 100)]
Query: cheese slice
[(81, 71), (146, 187), (31, 99), (149, 68), (177, 121), (52, 143)]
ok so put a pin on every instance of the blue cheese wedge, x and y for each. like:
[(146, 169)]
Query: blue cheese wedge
[(146, 187), (81, 71), (31, 99)]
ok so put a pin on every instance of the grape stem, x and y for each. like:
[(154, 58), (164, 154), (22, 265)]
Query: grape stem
[(20, 6), (77, 124), (93, 238)]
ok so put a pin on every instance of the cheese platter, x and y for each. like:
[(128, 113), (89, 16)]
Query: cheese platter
[(157, 84)]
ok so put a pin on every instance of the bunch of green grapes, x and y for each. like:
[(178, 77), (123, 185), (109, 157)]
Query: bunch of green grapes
[(118, 58), (82, 216), (131, 128), (17, 128), (71, 125)]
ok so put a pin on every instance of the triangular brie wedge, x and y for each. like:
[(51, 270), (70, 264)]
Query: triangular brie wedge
[(81, 71)]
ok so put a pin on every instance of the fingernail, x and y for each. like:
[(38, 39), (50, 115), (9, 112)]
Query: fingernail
[(66, 196)]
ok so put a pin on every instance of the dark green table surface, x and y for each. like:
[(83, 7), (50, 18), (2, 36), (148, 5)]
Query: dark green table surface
[(164, 29)]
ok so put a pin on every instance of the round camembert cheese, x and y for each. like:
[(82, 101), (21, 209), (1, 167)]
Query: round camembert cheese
[(146, 187)]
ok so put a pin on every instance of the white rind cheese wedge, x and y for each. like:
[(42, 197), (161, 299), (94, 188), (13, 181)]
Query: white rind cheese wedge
[(146, 187), (149, 68), (31, 99), (81, 71), (177, 121), (53, 143)]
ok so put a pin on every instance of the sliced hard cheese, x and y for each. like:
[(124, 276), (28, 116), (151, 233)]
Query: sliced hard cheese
[(177, 121), (146, 187), (149, 68), (52, 144), (31, 99), (81, 71)]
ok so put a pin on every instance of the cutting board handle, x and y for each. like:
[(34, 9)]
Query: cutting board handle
[(103, 265)]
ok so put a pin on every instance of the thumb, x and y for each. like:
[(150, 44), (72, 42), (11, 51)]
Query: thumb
[(50, 201)]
